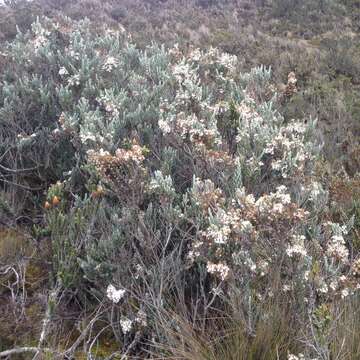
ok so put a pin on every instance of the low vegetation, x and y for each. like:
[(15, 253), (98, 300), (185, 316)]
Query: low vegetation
[(187, 194)]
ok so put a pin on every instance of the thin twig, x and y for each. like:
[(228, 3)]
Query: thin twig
[(26, 350)]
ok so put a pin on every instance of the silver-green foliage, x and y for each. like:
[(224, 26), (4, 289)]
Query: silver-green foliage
[(181, 182)]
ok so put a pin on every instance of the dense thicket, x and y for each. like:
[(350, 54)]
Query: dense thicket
[(316, 39), (171, 193)]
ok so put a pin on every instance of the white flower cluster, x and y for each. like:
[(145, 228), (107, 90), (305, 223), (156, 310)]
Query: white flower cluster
[(63, 71), (74, 80), (337, 248), (113, 294), (110, 63), (219, 229), (297, 247), (191, 113), (220, 270), (249, 116), (215, 57), (283, 147), (164, 126), (228, 61), (84, 137), (126, 325), (335, 245), (300, 356), (274, 203), (135, 154), (234, 228), (141, 318), (101, 153)]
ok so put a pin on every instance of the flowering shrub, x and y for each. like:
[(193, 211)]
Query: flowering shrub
[(180, 183)]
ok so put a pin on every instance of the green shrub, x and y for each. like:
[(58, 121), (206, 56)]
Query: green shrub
[(177, 185)]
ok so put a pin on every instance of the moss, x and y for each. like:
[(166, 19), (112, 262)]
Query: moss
[(102, 350), (13, 244), (105, 348), (33, 312), (35, 276), (25, 331)]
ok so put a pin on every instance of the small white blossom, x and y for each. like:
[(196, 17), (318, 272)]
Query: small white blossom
[(278, 208), (286, 288), (294, 250), (164, 126), (74, 80), (337, 248), (141, 318), (294, 357), (63, 71), (126, 325), (110, 64), (114, 295), (345, 293), (323, 288), (220, 270), (84, 137), (250, 264), (246, 226), (334, 285), (297, 247)]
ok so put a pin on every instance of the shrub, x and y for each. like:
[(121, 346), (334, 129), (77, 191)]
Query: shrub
[(177, 185)]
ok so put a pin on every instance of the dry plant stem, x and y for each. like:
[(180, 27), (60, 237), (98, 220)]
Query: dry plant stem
[(160, 300), (115, 332), (17, 171), (316, 346), (22, 268), (66, 354), (95, 339), (53, 299), (131, 346), (15, 287), (22, 350), (22, 186), (84, 333)]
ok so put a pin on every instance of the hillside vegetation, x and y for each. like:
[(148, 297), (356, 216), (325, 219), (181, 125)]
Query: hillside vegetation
[(180, 179)]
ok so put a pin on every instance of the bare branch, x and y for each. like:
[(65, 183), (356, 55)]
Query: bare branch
[(22, 350)]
